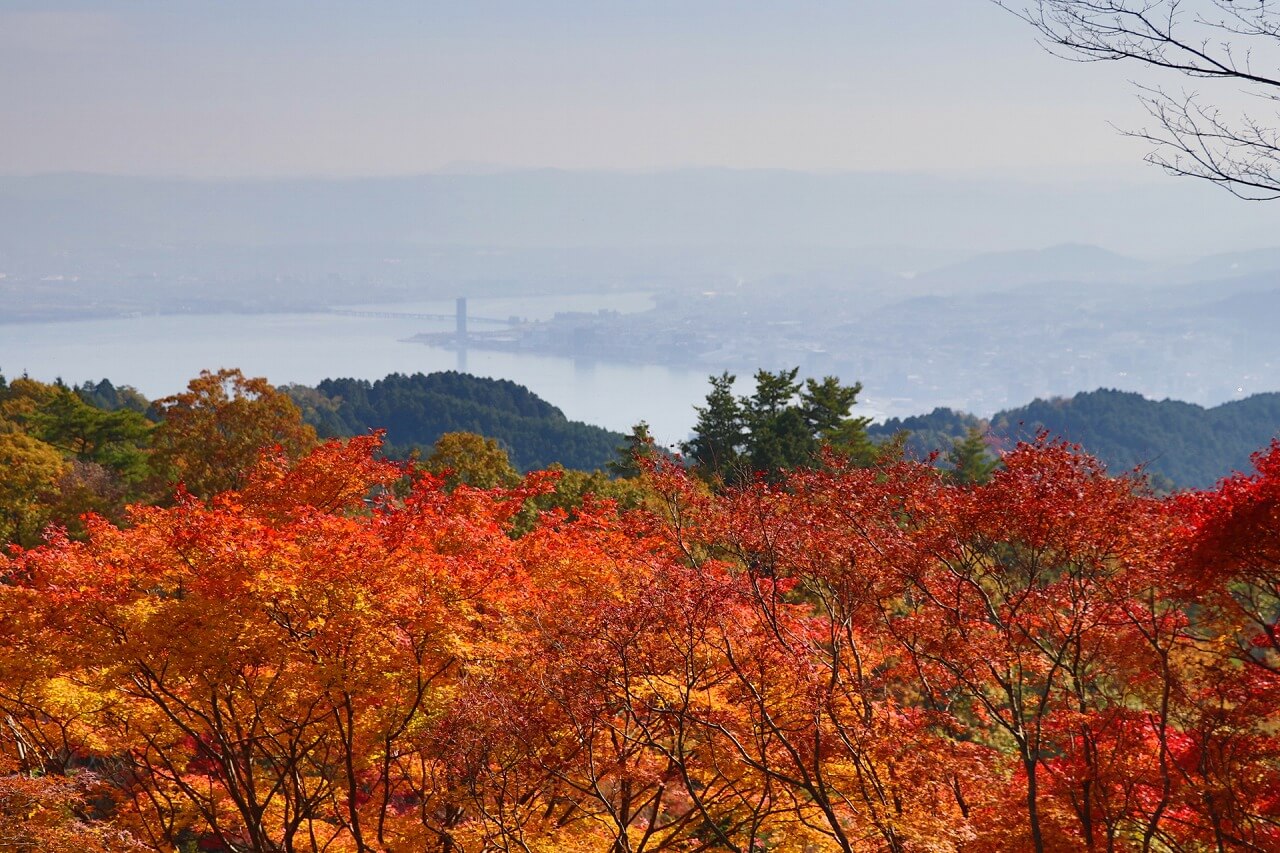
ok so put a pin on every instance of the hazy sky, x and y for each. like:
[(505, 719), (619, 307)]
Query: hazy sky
[(400, 86)]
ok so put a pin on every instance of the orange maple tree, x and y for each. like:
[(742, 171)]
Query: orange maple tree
[(342, 653)]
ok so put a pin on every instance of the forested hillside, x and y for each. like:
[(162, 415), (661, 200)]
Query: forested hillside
[(1191, 445), (417, 409), (1179, 444), (98, 449), (925, 434)]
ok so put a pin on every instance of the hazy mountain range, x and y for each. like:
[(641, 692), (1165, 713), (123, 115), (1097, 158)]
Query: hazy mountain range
[(762, 220)]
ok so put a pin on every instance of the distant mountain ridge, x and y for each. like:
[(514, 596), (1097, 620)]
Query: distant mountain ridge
[(533, 208), (1191, 445), (1178, 444), (1074, 262), (1228, 265)]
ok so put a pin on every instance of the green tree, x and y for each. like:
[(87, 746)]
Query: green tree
[(639, 446), (574, 487), (116, 440), (29, 473), (720, 431), (971, 461), (775, 393), (780, 442), (23, 398), (779, 436), (108, 451), (783, 425), (827, 406), (321, 411), (108, 397), (465, 457)]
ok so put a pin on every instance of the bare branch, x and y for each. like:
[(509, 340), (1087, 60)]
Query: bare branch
[(1228, 43)]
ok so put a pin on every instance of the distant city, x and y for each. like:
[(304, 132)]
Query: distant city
[(1203, 342)]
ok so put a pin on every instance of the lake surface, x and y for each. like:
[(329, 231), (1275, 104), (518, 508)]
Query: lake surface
[(159, 354)]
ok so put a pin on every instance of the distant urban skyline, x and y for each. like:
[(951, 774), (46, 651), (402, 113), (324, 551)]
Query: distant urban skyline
[(289, 88)]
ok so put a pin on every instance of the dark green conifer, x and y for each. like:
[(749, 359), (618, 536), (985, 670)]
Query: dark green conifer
[(971, 461)]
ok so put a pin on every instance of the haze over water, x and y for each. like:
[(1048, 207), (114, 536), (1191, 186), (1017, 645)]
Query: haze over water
[(158, 354)]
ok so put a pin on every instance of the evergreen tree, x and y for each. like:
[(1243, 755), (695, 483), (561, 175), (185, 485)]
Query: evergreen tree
[(639, 446), (106, 396), (783, 425), (781, 442), (774, 393), (827, 406), (778, 435), (720, 431), (971, 461)]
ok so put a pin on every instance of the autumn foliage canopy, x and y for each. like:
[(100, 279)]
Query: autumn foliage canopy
[(344, 654)]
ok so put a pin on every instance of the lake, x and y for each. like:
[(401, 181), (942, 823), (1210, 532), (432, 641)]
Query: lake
[(158, 354)]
